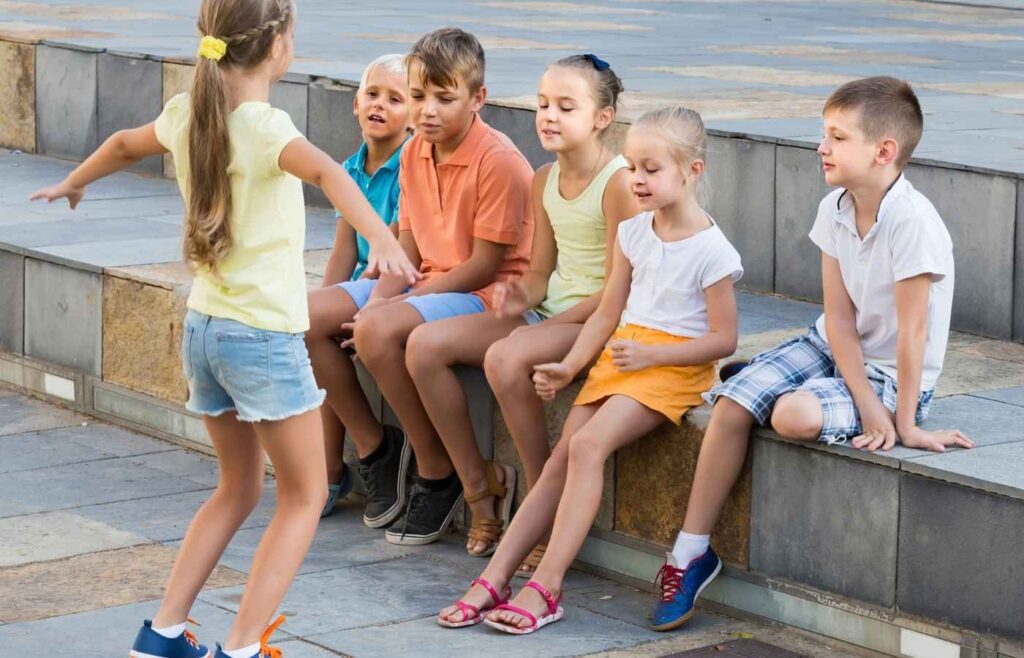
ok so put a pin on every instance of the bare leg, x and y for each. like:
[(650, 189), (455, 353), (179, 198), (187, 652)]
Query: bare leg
[(531, 522), (334, 444), (295, 446), (241, 481), (335, 372), (381, 335), (798, 416), (619, 422), (721, 458), (432, 352)]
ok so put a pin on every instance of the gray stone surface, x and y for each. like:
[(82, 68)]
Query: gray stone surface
[(19, 414), (118, 253), (12, 302), (978, 210), (129, 93), (293, 98), (998, 468), (799, 188), (332, 127), (63, 316), (1018, 278), (1014, 396), (987, 422), (94, 482), (22, 452), (57, 535), (824, 521), (35, 235), (760, 313), (185, 464), (521, 127), (741, 178), (981, 570), (66, 107)]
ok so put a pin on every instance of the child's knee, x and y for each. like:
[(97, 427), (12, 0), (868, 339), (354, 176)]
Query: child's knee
[(375, 336), (587, 449), (423, 350), (241, 495), (798, 415), (501, 365)]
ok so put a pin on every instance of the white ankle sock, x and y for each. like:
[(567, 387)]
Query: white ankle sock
[(171, 632), (689, 547), (244, 652)]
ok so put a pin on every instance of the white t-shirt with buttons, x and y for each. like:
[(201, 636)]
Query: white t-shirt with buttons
[(907, 240), (669, 278)]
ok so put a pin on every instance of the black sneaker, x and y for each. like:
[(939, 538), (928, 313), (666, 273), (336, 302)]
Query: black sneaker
[(731, 369), (385, 480), (427, 515)]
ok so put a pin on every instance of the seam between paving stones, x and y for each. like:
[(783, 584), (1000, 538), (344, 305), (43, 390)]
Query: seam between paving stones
[(57, 427), (92, 461), (111, 502)]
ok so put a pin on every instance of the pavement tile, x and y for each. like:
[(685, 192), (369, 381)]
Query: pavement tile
[(115, 440), (19, 414), (996, 468), (55, 535), (97, 580), (183, 463), (22, 452)]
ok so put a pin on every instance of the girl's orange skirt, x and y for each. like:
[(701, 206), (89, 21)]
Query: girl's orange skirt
[(669, 390)]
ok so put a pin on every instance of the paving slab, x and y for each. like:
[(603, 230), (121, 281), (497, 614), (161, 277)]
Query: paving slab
[(88, 483), (998, 468), (23, 452), (55, 535), (63, 316), (98, 579), (189, 465), (115, 440), (19, 414), (66, 105), (1014, 395)]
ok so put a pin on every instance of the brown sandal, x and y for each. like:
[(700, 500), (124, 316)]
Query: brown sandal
[(529, 565), (490, 530)]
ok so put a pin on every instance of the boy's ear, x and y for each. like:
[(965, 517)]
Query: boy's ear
[(479, 98), (888, 151), (355, 103)]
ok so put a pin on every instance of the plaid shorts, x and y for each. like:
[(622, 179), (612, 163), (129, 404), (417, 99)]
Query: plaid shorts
[(805, 364)]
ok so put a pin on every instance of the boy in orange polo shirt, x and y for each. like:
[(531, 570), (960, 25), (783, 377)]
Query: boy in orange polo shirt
[(465, 216)]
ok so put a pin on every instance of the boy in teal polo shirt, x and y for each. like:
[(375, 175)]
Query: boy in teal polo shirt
[(381, 104)]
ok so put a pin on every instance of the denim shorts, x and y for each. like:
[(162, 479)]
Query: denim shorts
[(805, 363), (533, 316), (436, 306), (259, 374)]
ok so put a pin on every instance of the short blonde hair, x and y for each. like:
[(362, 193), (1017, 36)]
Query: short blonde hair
[(448, 54), (392, 63), (888, 108)]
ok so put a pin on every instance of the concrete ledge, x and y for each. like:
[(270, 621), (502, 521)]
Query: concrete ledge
[(66, 103), (63, 316), (12, 301)]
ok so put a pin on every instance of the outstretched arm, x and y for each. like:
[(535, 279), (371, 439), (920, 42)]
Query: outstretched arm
[(122, 149)]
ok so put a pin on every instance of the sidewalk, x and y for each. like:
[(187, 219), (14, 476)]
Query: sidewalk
[(90, 516)]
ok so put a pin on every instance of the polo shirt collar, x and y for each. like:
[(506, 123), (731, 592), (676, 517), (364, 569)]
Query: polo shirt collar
[(844, 204), (465, 151), (358, 160)]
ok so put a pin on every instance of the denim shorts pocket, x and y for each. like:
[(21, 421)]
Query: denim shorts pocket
[(244, 360), (186, 351)]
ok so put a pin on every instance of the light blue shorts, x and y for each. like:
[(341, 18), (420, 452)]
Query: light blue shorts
[(259, 374), (437, 306), (533, 316)]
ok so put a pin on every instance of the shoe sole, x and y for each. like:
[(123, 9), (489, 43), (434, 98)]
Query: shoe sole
[(138, 654), (393, 512), (676, 623), (419, 540)]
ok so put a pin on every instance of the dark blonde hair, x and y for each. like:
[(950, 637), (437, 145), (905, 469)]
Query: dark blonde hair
[(248, 28), (448, 54), (605, 85), (888, 108)]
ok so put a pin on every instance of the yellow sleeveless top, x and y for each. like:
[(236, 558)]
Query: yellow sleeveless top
[(580, 235)]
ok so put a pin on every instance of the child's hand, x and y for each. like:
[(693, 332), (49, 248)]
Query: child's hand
[(550, 378), (510, 299), (388, 257), (936, 440), (629, 355), (62, 190), (378, 302), (878, 429)]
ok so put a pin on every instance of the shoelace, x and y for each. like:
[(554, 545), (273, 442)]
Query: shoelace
[(267, 651), (669, 579), (369, 476), (417, 500), (189, 635)]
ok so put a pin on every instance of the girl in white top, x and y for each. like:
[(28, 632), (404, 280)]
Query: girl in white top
[(671, 287)]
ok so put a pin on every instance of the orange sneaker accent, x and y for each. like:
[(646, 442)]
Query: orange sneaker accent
[(267, 651)]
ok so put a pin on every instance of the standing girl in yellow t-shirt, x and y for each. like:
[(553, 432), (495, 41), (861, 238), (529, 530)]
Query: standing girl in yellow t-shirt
[(577, 204), (240, 165)]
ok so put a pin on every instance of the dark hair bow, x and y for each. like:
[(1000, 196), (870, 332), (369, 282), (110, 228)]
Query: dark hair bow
[(598, 63)]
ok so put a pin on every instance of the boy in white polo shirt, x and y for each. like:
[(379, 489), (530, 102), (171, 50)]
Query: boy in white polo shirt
[(867, 369)]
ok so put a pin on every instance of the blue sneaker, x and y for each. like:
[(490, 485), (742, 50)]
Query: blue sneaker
[(265, 651), (150, 644), (335, 492), (680, 589)]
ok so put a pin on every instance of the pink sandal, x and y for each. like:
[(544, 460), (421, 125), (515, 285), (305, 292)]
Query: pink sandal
[(555, 612), (471, 615)]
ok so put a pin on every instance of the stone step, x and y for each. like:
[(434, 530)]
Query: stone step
[(862, 547)]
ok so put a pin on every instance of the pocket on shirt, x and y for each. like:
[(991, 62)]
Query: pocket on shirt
[(244, 360)]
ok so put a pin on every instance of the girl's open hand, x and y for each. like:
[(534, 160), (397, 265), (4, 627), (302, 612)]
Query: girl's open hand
[(388, 257), (630, 356), (550, 378), (62, 190), (510, 299)]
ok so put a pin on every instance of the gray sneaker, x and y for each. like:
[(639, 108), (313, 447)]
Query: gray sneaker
[(385, 480), (427, 515)]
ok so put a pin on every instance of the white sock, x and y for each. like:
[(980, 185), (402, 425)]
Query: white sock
[(171, 632), (244, 652), (689, 547)]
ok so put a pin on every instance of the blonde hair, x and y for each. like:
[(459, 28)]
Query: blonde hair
[(684, 133), (448, 54), (392, 63), (247, 28)]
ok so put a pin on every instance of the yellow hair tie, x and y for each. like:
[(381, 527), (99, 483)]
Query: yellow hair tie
[(212, 48)]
